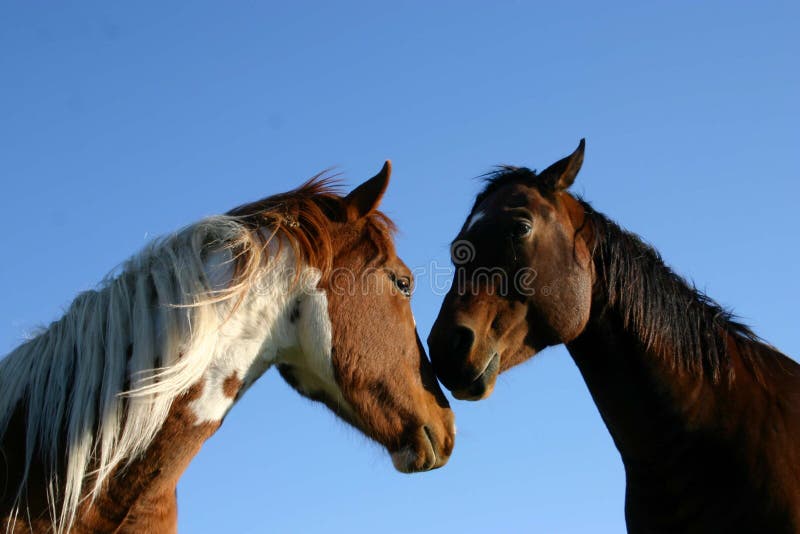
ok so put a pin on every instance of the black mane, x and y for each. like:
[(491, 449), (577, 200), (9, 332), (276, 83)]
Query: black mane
[(669, 314)]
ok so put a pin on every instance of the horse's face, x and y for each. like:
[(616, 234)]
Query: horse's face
[(523, 279), (383, 382)]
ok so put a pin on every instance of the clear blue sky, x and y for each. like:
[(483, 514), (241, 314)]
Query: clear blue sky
[(122, 121)]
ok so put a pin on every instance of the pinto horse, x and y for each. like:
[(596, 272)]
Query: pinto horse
[(705, 415), (101, 413)]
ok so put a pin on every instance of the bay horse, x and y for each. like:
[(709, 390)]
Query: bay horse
[(705, 415), (101, 413)]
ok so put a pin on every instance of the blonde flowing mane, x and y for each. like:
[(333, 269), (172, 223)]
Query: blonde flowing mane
[(96, 386)]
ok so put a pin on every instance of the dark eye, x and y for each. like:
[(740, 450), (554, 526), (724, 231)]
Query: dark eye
[(521, 228), (403, 284)]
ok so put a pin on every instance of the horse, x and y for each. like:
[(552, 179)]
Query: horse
[(101, 412), (705, 415)]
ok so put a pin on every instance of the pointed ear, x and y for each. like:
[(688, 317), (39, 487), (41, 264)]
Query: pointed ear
[(365, 198), (562, 173)]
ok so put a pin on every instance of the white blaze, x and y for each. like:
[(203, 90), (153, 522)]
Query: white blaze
[(475, 218)]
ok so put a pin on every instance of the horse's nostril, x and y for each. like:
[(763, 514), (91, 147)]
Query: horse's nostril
[(461, 341)]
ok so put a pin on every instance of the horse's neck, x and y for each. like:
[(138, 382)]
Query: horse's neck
[(692, 446), (143, 499), (140, 497), (641, 399), (651, 380), (258, 328)]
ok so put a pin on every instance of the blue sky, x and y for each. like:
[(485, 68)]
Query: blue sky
[(123, 121)]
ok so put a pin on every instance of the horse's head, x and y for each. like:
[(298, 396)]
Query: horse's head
[(523, 278), (359, 350)]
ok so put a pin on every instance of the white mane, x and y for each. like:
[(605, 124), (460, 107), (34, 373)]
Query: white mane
[(99, 382)]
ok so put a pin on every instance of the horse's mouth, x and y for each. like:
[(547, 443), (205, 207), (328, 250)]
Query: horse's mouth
[(422, 454), (483, 385)]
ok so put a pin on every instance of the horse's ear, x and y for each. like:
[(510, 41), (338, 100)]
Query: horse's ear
[(365, 198), (562, 173)]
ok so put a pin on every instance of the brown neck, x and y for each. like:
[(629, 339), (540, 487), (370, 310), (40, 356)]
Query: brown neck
[(643, 371), (642, 401), (141, 498), (694, 435)]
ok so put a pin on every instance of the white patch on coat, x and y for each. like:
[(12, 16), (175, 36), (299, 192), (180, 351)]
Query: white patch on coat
[(279, 322)]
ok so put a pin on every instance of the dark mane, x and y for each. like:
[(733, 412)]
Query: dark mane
[(670, 315), (305, 216)]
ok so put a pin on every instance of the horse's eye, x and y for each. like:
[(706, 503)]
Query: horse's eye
[(522, 228), (403, 284)]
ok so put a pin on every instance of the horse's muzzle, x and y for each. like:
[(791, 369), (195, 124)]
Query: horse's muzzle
[(427, 450)]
